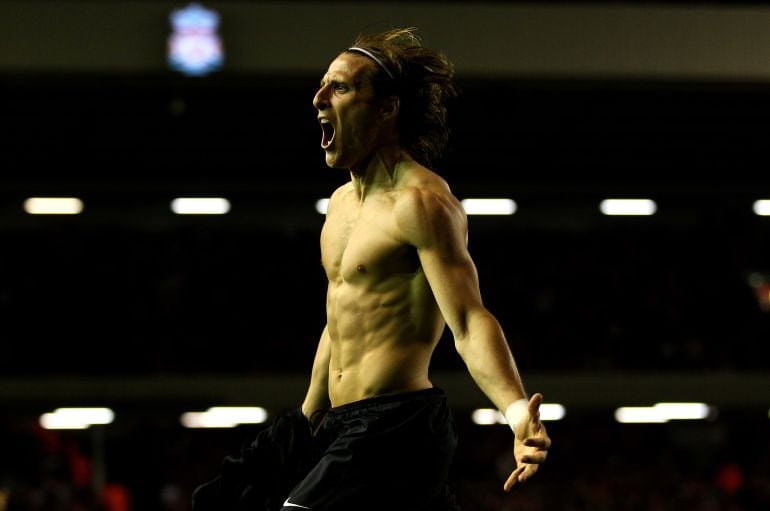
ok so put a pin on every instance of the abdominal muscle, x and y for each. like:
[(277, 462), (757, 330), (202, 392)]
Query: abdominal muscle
[(379, 345), (376, 375)]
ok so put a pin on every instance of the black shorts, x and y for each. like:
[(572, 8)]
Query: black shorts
[(385, 453)]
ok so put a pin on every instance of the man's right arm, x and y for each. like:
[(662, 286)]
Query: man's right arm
[(317, 397)]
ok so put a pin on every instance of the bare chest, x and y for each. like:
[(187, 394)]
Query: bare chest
[(364, 247)]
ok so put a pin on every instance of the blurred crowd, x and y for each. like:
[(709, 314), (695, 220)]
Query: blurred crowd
[(723, 465)]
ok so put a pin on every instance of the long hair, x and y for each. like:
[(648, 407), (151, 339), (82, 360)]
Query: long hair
[(423, 80)]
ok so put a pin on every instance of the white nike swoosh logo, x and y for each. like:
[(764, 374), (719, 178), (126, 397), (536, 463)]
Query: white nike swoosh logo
[(291, 504)]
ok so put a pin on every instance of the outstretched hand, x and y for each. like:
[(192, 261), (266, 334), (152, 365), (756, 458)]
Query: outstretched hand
[(530, 447)]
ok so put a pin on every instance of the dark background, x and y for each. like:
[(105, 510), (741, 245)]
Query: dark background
[(196, 294), (129, 306)]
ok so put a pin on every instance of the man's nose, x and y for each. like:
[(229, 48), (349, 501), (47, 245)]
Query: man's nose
[(321, 99)]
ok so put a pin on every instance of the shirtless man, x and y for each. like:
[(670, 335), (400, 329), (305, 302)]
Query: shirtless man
[(394, 248)]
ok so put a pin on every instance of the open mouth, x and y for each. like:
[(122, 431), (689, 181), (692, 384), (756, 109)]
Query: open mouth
[(327, 133)]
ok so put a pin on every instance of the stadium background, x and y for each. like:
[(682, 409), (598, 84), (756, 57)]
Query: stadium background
[(562, 104)]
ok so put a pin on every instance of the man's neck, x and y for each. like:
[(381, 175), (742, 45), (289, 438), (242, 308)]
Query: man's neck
[(380, 171)]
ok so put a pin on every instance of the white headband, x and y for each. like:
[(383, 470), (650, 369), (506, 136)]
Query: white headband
[(374, 58)]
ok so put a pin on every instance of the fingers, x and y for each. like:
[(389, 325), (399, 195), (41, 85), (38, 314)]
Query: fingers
[(529, 471), (537, 458), (513, 479), (537, 442), (534, 404), (537, 446), (519, 475)]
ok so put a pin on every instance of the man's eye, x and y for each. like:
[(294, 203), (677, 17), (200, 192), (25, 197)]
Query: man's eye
[(340, 87)]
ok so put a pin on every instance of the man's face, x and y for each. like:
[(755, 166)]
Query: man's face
[(347, 111)]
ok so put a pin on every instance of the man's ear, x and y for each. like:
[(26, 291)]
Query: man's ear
[(390, 108)]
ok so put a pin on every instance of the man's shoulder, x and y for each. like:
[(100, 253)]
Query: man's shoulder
[(426, 190), (343, 188), (341, 191), (426, 205)]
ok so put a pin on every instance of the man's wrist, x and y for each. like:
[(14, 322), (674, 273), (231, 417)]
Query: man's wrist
[(515, 412)]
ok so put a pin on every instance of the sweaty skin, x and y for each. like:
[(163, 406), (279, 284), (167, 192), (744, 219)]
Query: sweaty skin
[(383, 320), (394, 249)]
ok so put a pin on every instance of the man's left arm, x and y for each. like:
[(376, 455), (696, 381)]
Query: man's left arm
[(437, 226)]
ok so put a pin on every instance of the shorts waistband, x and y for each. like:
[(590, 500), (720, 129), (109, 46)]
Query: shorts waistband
[(386, 399)]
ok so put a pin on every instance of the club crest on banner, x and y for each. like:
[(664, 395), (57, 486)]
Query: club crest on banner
[(194, 46)]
